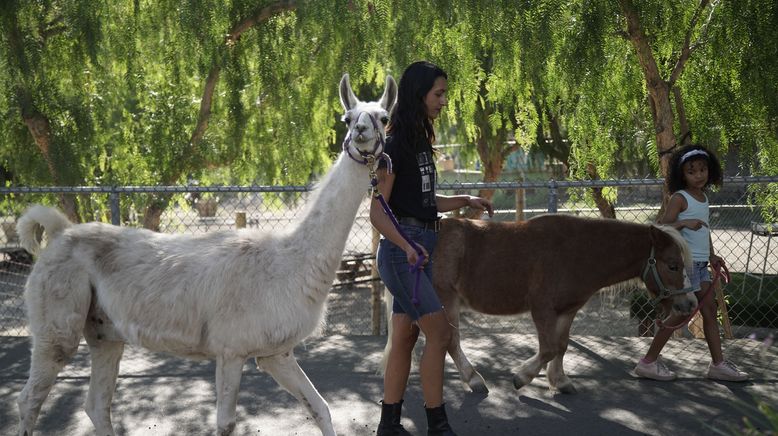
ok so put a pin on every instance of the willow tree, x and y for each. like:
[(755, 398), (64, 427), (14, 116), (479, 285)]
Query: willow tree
[(153, 92), (476, 43), (648, 75), (148, 92)]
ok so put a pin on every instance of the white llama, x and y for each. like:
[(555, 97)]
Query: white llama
[(227, 295)]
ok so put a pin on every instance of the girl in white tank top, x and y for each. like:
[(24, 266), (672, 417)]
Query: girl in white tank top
[(691, 170)]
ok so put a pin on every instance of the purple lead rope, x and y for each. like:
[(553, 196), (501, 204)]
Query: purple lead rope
[(369, 159), (416, 268)]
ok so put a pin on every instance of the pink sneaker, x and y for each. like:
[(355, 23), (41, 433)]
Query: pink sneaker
[(655, 370), (726, 371)]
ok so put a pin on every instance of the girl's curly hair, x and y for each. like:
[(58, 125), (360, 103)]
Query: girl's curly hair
[(675, 179)]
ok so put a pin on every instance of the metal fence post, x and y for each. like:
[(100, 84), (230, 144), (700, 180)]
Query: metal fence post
[(116, 214), (552, 196)]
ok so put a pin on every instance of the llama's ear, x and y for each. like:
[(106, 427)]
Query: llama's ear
[(390, 94), (347, 97)]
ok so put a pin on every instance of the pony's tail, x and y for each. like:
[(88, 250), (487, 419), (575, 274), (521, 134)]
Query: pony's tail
[(35, 221)]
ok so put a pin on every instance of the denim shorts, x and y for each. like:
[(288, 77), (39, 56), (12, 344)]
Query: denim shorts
[(698, 273), (396, 275)]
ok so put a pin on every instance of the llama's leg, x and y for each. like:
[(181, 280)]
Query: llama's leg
[(545, 324), (48, 358), (287, 372), (228, 373), (556, 372), (102, 382), (467, 372)]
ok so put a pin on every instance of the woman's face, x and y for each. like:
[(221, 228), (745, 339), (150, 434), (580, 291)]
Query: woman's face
[(436, 98)]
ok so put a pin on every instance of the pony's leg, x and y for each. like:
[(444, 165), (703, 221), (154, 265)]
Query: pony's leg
[(287, 372), (49, 356), (228, 373), (556, 373), (467, 372), (388, 301), (548, 340), (102, 382)]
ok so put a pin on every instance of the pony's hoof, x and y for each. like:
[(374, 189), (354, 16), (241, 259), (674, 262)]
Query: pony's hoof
[(567, 388), (519, 383)]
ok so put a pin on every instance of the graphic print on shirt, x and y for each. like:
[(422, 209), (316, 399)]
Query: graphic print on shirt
[(427, 171)]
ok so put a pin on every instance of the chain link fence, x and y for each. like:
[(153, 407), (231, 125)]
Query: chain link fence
[(748, 305)]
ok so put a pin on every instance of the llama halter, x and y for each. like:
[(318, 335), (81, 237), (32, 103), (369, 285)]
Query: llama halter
[(364, 156), (370, 159)]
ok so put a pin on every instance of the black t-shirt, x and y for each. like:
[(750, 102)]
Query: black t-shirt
[(413, 192)]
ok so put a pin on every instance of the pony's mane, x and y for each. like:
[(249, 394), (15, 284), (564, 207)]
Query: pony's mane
[(679, 241)]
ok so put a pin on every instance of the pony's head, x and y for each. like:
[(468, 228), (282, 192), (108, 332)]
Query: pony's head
[(665, 272), (366, 121)]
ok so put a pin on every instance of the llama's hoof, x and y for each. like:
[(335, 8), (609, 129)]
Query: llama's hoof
[(226, 430), (478, 386)]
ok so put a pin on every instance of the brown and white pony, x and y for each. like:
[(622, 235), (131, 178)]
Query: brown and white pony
[(550, 266)]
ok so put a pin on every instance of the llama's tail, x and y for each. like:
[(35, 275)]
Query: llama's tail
[(35, 221)]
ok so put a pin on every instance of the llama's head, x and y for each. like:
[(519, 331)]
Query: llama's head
[(366, 120)]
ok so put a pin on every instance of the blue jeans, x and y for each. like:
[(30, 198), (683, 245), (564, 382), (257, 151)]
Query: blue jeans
[(396, 275), (698, 273)]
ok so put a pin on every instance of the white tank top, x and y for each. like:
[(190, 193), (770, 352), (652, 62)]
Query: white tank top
[(698, 240)]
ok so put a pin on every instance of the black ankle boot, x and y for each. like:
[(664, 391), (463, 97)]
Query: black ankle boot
[(390, 420), (437, 422)]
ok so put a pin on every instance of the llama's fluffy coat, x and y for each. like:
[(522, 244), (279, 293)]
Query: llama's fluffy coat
[(224, 295)]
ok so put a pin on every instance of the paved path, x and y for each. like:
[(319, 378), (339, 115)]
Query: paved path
[(162, 395)]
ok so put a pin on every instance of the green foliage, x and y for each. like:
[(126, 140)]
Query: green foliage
[(121, 83), (769, 413)]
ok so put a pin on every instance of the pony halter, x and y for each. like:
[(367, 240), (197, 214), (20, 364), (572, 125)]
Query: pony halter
[(664, 292), (369, 157)]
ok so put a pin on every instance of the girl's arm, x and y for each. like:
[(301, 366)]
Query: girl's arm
[(450, 202), (383, 223), (675, 206)]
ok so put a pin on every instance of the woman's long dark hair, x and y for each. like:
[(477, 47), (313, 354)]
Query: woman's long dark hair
[(409, 122)]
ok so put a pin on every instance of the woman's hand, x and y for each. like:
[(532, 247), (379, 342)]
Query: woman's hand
[(479, 203), (413, 256)]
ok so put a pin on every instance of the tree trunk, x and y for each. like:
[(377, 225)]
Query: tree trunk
[(658, 91), (521, 199), (606, 208), (153, 215), (683, 124), (658, 88), (492, 160), (40, 129), (39, 125)]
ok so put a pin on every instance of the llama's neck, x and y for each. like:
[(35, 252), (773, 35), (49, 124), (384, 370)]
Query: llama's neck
[(330, 214)]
